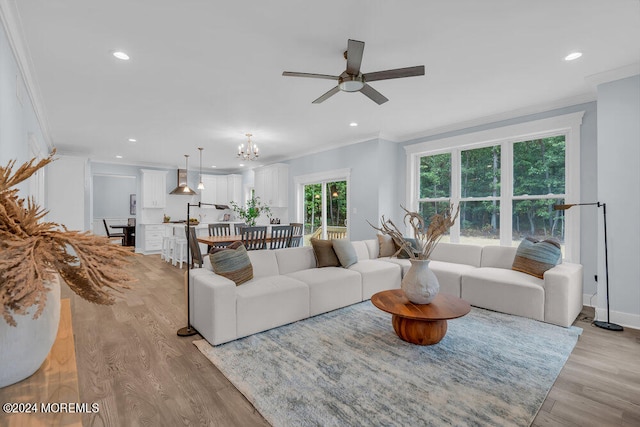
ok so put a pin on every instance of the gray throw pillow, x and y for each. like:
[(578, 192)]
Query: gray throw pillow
[(345, 252), (403, 254)]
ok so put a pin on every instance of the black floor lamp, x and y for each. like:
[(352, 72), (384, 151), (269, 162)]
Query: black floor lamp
[(190, 330), (604, 325)]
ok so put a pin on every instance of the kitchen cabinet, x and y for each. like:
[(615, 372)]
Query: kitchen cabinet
[(221, 189), (271, 184), (234, 189), (153, 234), (154, 189)]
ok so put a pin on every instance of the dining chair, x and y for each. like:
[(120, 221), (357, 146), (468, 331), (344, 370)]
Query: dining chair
[(111, 235), (194, 247), (280, 236), (254, 238), (237, 228), (296, 234), (219, 229)]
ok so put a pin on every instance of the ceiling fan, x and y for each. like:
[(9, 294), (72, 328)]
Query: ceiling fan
[(352, 80)]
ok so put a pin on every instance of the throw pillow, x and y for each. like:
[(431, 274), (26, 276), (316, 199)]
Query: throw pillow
[(345, 252), (404, 254), (232, 262), (386, 246), (324, 253), (534, 257)]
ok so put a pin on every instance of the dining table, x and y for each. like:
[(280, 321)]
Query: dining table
[(129, 233)]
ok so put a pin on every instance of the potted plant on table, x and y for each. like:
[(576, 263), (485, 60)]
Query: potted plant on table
[(34, 255), (419, 284), (251, 211)]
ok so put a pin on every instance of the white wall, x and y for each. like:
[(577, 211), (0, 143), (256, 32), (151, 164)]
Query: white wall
[(619, 188), (65, 192), (20, 135)]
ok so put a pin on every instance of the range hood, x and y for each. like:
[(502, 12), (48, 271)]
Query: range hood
[(182, 187)]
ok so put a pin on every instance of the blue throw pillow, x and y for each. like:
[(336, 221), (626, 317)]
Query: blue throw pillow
[(403, 254), (534, 257)]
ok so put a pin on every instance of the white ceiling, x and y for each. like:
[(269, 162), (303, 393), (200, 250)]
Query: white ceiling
[(204, 73)]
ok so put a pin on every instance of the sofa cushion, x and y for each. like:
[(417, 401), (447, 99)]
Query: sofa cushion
[(361, 250), (345, 252), (264, 263), (324, 253), (457, 253), (377, 276), (498, 256), (449, 276), (534, 257), (268, 302), (330, 288), (294, 259), (232, 262), (386, 247), (372, 245), (506, 291)]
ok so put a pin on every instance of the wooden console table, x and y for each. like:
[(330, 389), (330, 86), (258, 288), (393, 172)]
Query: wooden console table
[(55, 382)]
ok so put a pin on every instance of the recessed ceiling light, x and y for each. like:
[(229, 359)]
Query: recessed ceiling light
[(132, 140), (572, 56), (213, 166), (241, 164), (118, 157), (121, 55), (353, 124)]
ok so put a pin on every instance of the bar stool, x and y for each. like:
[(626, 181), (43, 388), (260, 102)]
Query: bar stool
[(179, 251), (167, 244), (178, 246)]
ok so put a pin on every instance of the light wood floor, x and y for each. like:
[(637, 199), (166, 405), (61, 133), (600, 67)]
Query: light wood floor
[(131, 362)]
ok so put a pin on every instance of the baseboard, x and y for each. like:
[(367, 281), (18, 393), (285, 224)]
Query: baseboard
[(629, 320), (589, 300)]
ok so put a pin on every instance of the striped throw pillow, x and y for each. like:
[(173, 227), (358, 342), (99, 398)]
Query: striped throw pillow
[(534, 257), (232, 262)]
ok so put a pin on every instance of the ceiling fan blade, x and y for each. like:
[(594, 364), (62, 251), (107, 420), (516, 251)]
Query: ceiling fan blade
[(394, 74), (354, 56), (373, 94), (327, 95), (310, 75)]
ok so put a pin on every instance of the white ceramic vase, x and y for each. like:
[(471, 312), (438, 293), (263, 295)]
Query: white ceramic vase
[(24, 347), (420, 285)]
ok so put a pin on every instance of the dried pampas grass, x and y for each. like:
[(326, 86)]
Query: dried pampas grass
[(426, 236), (33, 250)]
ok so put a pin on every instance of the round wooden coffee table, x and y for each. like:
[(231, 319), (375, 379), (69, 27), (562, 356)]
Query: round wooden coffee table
[(422, 324)]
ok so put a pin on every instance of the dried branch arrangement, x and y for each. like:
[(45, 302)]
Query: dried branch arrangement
[(426, 237), (32, 251)]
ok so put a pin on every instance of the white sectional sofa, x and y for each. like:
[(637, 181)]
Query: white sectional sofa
[(288, 287)]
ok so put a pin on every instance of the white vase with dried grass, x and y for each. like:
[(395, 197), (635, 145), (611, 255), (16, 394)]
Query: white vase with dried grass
[(419, 284), (34, 256)]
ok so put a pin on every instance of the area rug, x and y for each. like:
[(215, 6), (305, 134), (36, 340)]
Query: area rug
[(348, 368)]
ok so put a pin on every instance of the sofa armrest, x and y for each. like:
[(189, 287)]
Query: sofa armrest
[(563, 294), (213, 306)]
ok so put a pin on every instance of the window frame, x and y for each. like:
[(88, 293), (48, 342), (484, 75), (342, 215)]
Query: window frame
[(505, 136)]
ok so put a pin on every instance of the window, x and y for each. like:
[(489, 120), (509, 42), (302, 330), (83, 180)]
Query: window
[(323, 204), (505, 180)]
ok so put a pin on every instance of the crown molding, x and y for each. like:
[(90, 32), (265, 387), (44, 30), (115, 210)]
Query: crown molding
[(10, 19), (613, 75), (512, 114)]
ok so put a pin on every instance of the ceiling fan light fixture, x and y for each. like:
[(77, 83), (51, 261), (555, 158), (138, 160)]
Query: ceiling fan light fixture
[(351, 83)]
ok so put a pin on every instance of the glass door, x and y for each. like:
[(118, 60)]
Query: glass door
[(325, 210)]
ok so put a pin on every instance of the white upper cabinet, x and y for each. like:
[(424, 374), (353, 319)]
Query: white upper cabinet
[(272, 185), (210, 191), (154, 188), (221, 189), (234, 189)]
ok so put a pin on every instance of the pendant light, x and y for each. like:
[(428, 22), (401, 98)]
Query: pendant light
[(200, 184), (184, 189)]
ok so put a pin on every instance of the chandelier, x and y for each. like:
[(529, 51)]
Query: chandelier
[(251, 151)]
